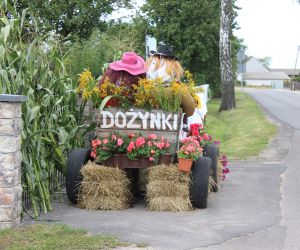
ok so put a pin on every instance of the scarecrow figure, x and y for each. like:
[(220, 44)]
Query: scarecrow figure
[(126, 72), (164, 64)]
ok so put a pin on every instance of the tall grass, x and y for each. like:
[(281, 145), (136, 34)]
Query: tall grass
[(31, 65)]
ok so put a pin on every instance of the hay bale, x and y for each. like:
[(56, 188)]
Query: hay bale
[(171, 204), (168, 189), (104, 188)]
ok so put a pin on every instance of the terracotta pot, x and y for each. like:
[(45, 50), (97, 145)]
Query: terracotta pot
[(185, 165), (165, 159)]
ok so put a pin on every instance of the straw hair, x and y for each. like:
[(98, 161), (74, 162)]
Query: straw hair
[(168, 189), (173, 67), (104, 188)]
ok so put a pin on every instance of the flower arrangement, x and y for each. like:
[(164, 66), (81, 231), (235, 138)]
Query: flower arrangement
[(190, 148), (197, 130), (134, 146)]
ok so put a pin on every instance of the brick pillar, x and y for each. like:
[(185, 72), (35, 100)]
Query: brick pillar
[(10, 160)]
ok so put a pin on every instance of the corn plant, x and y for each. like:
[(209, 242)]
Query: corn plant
[(31, 65)]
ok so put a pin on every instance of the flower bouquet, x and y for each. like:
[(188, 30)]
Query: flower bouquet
[(188, 152)]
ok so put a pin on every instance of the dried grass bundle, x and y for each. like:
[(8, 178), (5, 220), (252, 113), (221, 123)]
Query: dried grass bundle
[(167, 173), (168, 189), (104, 188), (171, 204)]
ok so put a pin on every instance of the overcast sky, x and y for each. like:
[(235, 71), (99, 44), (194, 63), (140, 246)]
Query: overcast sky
[(269, 28)]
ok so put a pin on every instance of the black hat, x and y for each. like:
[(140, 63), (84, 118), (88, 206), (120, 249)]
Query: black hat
[(164, 51)]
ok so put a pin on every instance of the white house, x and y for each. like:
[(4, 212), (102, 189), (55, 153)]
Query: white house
[(254, 73)]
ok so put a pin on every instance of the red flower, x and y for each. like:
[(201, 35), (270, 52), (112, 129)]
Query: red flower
[(131, 136), (194, 128), (96, 143), (130, 146), (140, 141)]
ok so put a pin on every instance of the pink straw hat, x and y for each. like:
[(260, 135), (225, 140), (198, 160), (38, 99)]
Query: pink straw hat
[(131, 62)]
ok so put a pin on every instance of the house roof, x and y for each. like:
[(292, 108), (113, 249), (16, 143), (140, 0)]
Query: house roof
[(287, 71), (266, 76)]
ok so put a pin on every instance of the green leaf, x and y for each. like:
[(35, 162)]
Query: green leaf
[(34, 113)]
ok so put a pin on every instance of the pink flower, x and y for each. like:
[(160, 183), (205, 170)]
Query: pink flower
[(140, 141), (114, 137), (152, 151), (130, 146), (206, 137), (217, 142), (105, 141), (119, 142), (150, 143), (152, 137), (167, 144), (96, 142), (93, 154), (151, 158)]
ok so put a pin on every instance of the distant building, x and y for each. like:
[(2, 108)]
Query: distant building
[(290, 72), (256, 74)]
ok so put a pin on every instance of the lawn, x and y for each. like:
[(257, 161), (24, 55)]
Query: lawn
[(243, 132), (42, 236)]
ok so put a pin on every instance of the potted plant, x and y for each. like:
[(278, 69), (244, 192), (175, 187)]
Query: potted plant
[(188, 152)]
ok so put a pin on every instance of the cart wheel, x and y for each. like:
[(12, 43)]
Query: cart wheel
[(200, 182), (76, 159), (212, 152)]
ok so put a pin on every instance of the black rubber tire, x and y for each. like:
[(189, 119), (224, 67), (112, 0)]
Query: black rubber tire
[(199, 182), (212, 152), (76, 159)]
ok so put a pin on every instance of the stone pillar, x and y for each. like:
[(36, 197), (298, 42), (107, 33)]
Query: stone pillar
[(10, 160)]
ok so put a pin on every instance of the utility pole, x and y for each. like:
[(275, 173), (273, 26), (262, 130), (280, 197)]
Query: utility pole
[(293, 83)]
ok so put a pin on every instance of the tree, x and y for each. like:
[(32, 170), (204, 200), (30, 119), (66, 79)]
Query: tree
[(71, 17), (227, 74), (266, 61), (192, 29)]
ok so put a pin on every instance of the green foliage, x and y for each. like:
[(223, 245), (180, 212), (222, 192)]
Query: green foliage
[(192, 29), (43, 236), (72, 18), (103, 47), (34, 68)]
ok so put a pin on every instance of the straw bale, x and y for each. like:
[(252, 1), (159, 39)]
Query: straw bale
[(167, 188), (104, 188), (172, 204), (168, 173)]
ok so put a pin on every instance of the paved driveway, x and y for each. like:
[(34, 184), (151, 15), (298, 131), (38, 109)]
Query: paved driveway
[(256, 208)]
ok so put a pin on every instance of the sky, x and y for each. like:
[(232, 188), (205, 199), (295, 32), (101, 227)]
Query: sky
[(270, 28)]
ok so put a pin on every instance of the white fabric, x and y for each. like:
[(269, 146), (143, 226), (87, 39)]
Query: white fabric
[(160, 72)]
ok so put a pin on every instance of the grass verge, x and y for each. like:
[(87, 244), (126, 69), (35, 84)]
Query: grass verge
[(43, 236), (243, 132)]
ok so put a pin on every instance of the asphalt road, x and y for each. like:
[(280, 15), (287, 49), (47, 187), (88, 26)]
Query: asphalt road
[(258, 206)]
